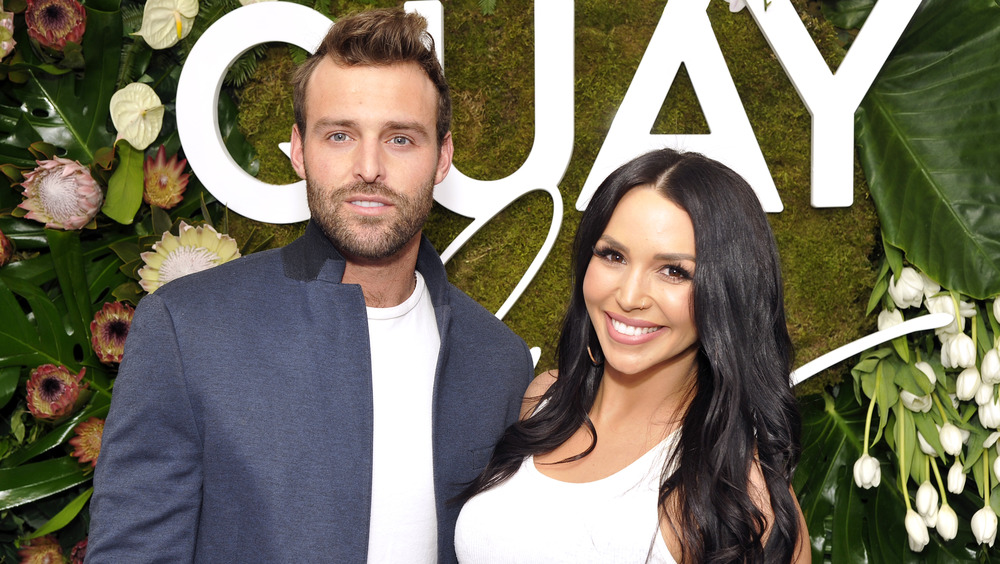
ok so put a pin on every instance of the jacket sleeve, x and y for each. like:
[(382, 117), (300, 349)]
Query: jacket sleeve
[(148, 482)]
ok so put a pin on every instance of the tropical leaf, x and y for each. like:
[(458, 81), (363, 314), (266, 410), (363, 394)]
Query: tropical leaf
[(31, 482), (72, 112), (927, 135), (847, 14), (849, 524)]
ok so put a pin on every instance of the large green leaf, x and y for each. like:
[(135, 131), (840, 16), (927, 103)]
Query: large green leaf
[(72, 112), (849, 524), (927, 134), (31, 482)]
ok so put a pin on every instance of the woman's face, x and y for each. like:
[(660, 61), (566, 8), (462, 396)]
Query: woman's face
[(638, 286)]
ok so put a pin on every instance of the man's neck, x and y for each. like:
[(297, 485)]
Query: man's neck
[(386, 282)]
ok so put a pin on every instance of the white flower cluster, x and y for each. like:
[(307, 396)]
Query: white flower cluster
[(961, 363)]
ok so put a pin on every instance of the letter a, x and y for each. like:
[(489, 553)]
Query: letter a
[(684, 34)]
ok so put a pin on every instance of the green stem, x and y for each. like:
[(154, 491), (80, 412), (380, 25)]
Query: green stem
[(986, 477), (902, 460), (871, 406), (937, 402), (940, 482)]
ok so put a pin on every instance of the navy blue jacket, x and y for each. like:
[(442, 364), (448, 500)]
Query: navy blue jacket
[(241, 423)]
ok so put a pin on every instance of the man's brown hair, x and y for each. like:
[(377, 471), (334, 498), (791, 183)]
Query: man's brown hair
[(377, 38)]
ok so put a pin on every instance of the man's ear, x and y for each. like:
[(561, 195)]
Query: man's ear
[(444, 158), (297, 157)]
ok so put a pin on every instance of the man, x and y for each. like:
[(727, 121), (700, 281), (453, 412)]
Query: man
[(321, 402)]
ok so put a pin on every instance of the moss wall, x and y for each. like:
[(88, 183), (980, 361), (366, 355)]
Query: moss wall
[(489, 63)]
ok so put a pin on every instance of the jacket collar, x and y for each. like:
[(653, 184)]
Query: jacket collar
[(313, 257)]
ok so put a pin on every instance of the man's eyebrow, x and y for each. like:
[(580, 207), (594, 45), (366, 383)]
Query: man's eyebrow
[(414, 126), (330, 122)]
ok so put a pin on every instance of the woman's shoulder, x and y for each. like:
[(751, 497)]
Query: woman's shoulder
[(536, 389)]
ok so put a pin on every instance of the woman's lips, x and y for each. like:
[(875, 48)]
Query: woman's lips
[(630, 331)]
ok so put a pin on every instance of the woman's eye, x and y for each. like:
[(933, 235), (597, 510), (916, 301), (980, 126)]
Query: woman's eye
[(675, 273), (609, 255)]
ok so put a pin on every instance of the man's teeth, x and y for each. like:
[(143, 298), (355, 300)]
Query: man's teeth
[(367, 204), (629, 330)]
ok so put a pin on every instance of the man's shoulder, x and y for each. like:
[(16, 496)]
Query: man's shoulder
[(470, 315)]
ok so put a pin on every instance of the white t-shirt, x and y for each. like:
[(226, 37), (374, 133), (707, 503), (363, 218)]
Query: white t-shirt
[(404, 349), (532, 518)]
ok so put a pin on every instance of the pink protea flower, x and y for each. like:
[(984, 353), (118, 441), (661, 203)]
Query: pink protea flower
[(87, 442), (78, 553), (53, 391), (61, 194), (109, 329), (7, 42), (6, 249), (43, 550), (165, 180), (54, 22)]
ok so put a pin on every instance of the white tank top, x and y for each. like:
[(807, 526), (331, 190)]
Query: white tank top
[(534, 518)]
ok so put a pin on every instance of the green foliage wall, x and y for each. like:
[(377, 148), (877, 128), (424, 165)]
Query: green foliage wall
[(489, 63)]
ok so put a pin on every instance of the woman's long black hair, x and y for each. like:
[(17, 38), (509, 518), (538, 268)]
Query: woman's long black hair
[(743, 408)]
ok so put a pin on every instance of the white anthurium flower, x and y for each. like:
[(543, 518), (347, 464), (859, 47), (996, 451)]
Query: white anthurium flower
[(165, 22), (908, 291), (984, 525), (867, 472), (956, 478), (947, 523), (927, 503), (984, 394), (920, 404), (736, 5), (137, 113), (951, 438), (961, 351), (990, 369), (967, 384), (248, 2), (916, 530), (925, 447), (930, 287), (889, 318), (989, 415)]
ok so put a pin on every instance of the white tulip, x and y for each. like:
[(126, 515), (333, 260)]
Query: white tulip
[(956, 478), (916, 530), (928, 371), (947, 523), (996, 468), (927, 503), (961, 351), (996, 309), (867, 472), (990, 369), (984, 526), (925, 447), (889, 318), (984, 394), (951, 438), (920, 404), (967, 384), (908, 291), (989, 415), (944, 304), (930, 287)]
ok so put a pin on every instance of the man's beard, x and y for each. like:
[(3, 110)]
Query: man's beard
[(369, 237)]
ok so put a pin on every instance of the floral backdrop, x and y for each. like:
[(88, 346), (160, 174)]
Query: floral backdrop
[(98, 207)]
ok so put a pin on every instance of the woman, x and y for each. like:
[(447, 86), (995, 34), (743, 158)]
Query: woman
[(669, 432)]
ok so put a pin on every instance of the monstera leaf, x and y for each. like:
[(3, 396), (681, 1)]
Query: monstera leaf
[(67, 111), (927, 134), (849, 524)]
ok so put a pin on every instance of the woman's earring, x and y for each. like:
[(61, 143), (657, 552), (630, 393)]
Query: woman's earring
[(591, 355)]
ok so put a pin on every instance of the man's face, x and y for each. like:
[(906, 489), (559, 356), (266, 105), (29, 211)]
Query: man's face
[(370, 155)]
